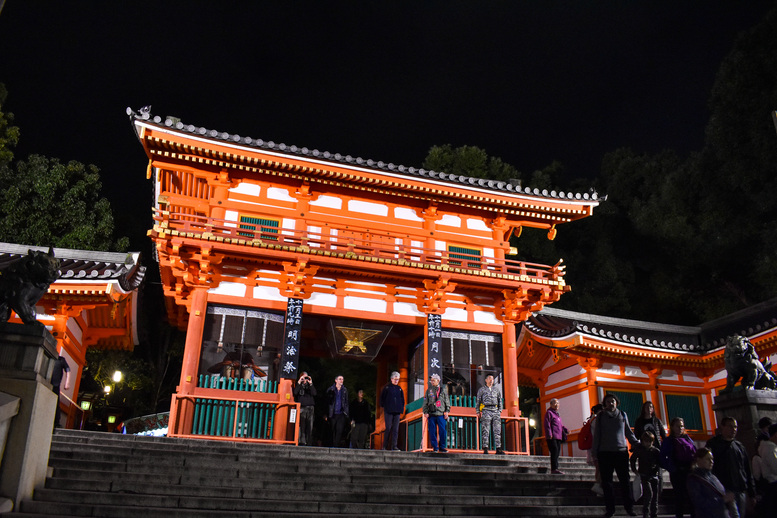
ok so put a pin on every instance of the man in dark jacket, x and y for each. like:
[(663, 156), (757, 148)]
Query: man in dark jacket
[(305, 394), (732, 464), (392, 400), (337, 395)]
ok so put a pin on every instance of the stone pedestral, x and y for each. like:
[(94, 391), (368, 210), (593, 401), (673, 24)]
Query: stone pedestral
[(747, 407), (27, 356)]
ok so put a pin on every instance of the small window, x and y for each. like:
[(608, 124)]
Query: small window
[(467, 257), (260, 227), (687, 407)]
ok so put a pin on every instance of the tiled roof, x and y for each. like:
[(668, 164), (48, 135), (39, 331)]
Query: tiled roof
[(85, 265), (557, 323), (509, 187)]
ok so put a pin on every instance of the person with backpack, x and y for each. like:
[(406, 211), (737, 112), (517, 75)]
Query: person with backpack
[(677, 456), (612, 437)]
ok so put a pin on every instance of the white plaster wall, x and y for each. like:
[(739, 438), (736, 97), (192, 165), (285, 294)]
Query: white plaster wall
[(485, 317), (277, 193), (268, 293), (407, 214), (329, 202), (235, 289), (365, 304), (574, 371), (449, 220), (75, 330), (634, 372), (457, 314), (407, 309), (250, 189), (477, 224), (328, 300), (668, 375), (367, 207)]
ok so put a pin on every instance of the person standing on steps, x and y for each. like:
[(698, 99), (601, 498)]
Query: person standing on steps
[(60, 377), (488, 405), (361, 418), (612, 436), (645, 462), (678, 452), (436, 408), (392, 400), (554, 434), (305, 395), (732, 465), (337, 395)]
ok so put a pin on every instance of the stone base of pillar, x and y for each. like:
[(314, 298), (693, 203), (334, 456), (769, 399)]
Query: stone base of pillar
[(747, 407), (27, 356)]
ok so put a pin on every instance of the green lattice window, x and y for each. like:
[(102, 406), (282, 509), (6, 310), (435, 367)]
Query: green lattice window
[(265, 228), (687, 407), (467, 257), (631, 403)]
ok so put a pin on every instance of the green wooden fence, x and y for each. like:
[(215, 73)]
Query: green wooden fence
[(216, 417)]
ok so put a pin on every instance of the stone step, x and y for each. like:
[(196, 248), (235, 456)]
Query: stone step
[(99, 474)]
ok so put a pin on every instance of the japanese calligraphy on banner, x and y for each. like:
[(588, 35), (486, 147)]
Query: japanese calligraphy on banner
[(292, 333), (434, 339)]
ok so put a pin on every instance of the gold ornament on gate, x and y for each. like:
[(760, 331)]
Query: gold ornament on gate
[(355, 338)]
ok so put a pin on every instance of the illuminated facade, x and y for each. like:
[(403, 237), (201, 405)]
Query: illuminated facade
[(269, 252)]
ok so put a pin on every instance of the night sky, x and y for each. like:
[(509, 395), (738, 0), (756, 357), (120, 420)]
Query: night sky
[(529, 81)]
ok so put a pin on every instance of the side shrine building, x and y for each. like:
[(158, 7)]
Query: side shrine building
[(93, 304), (269, 253)]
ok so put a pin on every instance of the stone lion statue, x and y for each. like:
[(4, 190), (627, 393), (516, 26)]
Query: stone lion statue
[(742, 363), (24, 282)]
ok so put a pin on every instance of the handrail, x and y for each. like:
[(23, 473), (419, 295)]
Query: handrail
[(350, 245), (76, 406), (470, 413)]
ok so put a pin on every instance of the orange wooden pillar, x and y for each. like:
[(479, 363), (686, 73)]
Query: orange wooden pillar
[(403, 377), (281, 423), (182, 410), (510, 377)]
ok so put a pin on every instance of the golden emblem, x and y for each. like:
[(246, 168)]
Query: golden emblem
[(355, 338)]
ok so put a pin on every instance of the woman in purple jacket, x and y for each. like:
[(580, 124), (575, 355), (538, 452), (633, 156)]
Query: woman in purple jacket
[(554, 435), (677, 456)]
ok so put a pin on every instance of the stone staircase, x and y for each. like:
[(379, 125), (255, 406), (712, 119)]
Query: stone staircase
[(116, 476)]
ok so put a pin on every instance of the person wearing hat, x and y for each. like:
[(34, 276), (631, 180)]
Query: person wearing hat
[(436, 408), (392, 400)]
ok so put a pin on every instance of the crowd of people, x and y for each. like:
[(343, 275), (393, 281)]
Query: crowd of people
[(718, 480), (436, 406)]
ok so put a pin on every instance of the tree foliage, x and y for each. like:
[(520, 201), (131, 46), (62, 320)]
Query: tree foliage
[(9, 134), (47, 203), (469, 161)]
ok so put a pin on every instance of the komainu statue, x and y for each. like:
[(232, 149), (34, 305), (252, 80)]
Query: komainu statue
[(742, 362), (24, 282)]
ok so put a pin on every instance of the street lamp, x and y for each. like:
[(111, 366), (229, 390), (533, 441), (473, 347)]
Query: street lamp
[(117, 376)]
